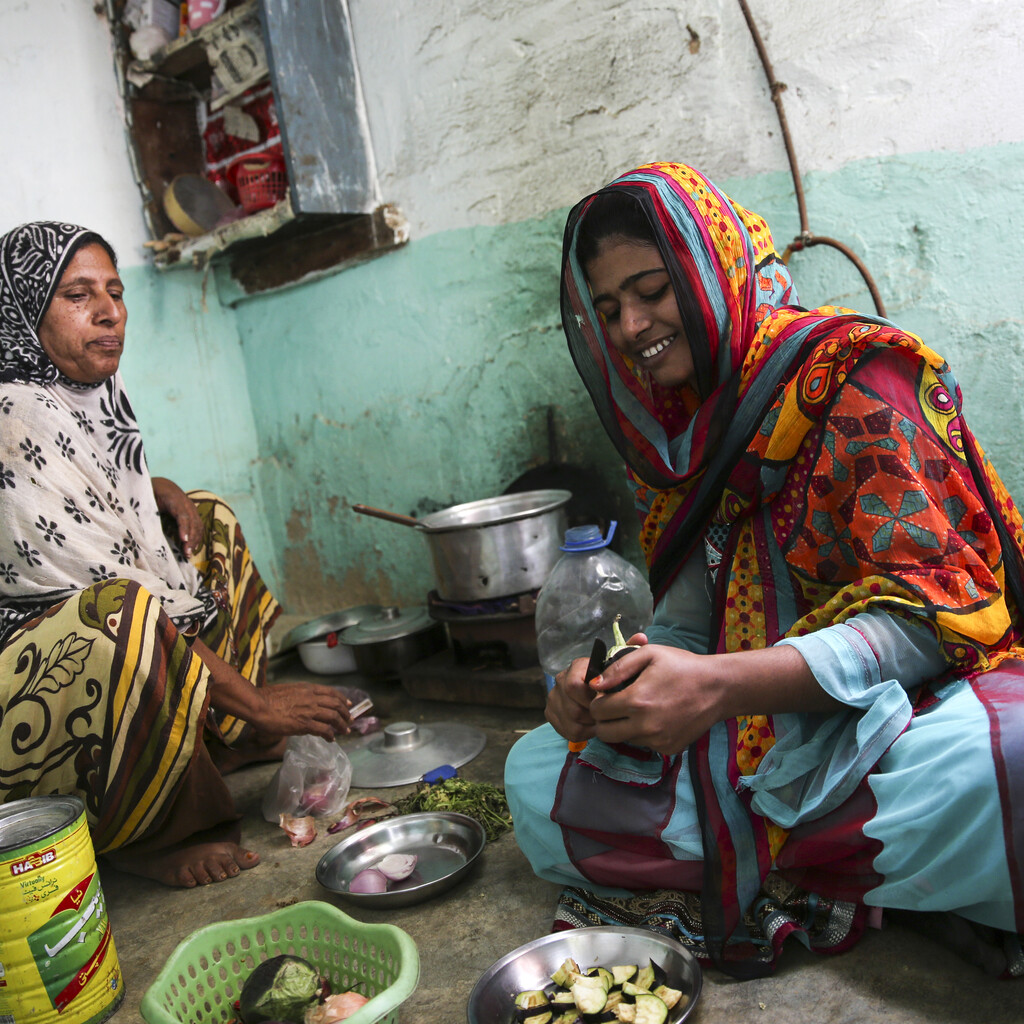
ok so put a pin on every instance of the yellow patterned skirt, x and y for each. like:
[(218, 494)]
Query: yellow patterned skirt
[(102, 698)]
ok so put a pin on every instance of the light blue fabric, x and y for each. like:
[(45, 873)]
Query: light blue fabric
[(819, 759), (935, 825), (683, 616), (532, 770), (940, 829), (868, 663), (622, 767)]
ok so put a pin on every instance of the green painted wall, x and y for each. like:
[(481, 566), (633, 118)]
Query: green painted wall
[(423, 378), (413, 382), (186, 378)]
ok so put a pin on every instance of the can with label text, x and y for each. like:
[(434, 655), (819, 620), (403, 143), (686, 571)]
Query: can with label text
[(57, 957)]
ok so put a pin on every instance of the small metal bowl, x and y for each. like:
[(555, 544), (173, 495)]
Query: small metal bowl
[(326, 659), (492, 1000), (446, 844)]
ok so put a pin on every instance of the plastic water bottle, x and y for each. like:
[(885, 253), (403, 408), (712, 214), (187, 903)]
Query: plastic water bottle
[(588, 587)]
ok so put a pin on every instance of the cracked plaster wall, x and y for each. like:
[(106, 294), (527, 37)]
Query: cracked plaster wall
[(424, 377)]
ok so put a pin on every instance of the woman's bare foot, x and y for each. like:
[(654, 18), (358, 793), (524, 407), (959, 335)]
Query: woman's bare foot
[(230, 759), (187, 866)]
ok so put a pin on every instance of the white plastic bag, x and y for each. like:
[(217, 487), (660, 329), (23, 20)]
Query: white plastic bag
[(313, 780)]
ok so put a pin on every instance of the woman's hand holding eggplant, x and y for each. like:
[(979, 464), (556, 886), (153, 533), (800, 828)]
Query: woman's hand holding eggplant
[(676, 696), (568, 704), (672, 700)]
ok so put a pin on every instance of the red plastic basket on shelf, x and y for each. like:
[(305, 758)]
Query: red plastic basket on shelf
[(260, 179)]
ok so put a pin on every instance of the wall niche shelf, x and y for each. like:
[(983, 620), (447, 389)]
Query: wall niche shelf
[(275, 76)]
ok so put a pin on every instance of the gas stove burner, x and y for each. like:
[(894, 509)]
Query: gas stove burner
[(497, 633), (496, 607)]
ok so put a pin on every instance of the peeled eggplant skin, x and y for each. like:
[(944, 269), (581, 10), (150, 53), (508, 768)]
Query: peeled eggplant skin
[(280, 988)]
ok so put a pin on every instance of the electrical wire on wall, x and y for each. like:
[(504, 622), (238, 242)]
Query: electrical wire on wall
[(806, 238)]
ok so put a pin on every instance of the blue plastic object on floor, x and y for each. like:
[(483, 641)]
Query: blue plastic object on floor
[(439, 774)]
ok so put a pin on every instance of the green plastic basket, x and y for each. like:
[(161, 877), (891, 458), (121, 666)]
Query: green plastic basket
[(204, 975)]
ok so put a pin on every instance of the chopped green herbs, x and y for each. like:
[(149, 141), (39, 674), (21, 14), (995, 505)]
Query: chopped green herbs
[(478, 800)]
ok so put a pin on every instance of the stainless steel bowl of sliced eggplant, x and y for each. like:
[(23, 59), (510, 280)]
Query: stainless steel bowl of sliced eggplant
[(601, 974)]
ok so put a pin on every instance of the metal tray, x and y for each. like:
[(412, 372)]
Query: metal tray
[(447, 845)]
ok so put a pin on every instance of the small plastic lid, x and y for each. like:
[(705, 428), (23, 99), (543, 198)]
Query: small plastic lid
[(587, 538)]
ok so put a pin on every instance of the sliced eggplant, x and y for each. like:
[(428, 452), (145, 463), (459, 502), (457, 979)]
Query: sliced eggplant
[(626, 1012), (532, 1005), (669, 996), (605, 975), (590, 995), (562, 998), (645, 977), (650, 1009), (660, 977), (561, 976), (624, 973)]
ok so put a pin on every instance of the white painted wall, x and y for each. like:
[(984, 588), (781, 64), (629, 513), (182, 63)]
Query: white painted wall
[(492, 111), (63, 141)]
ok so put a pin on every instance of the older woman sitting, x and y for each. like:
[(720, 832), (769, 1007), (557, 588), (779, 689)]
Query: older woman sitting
[(132, 662)]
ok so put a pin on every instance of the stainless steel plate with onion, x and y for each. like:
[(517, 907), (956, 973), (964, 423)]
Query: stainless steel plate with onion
[(492, 1000), (446, 846)]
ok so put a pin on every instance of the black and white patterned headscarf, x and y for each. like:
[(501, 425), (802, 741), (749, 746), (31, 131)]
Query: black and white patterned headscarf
[(33, 258), (76, 497)]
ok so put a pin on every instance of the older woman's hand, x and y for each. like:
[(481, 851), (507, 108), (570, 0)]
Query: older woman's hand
[(568, 703), (283, 709), (173, 501), (298, 709)]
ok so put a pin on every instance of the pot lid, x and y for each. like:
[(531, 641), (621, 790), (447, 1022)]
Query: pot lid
[(389, 623), (404, 752), (330, 623)]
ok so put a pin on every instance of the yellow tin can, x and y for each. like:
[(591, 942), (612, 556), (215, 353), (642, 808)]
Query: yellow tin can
[(57, 957)]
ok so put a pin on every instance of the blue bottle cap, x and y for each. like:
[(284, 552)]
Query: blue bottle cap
[(587, 538)]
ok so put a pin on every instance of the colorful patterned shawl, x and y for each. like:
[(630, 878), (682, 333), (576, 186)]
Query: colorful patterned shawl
[(824, 453)]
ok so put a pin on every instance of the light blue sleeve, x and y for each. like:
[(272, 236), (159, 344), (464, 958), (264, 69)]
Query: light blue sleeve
[(869, 663), (683, 616)]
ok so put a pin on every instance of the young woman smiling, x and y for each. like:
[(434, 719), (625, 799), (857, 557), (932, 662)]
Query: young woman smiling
[(824, 719)]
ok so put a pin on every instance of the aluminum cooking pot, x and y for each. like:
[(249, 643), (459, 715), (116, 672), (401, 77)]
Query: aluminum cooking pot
[(495, 547)]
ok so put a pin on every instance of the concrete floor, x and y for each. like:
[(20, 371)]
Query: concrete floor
[(893, 975)]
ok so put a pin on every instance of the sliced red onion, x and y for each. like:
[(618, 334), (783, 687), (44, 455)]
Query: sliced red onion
[(369, 880), (397, 866)]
